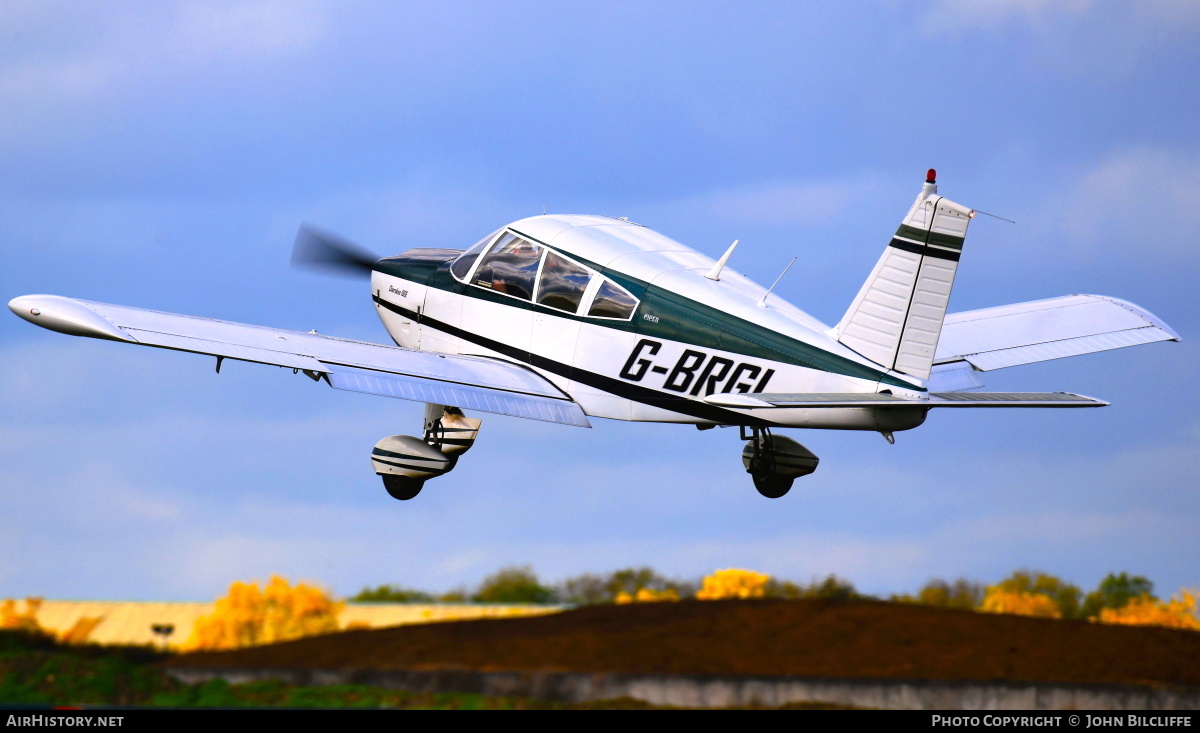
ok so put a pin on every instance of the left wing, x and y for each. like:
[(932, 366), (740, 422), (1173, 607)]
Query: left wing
[(470, 382)]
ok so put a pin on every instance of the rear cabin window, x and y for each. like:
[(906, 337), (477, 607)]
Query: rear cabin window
[(510, 267), (562, 283), (613, 301), (462, 266)]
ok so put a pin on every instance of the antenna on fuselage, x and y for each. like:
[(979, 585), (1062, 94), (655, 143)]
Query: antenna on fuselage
[(715, 272), (762, 303)]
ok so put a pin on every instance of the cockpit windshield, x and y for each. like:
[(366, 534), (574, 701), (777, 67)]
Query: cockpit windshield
[(510, 267), (462, 265)]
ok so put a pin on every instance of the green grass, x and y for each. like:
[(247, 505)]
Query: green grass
[(34, 669)]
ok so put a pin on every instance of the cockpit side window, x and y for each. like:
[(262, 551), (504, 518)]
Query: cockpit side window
[(510, 267), (462, 266), (613, 301), (562, 284)]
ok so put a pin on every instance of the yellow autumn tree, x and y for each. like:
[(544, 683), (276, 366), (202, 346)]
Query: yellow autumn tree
[(248, 615), (1021, 603), (12, 618), (1177, 613), (647, 595), (733, 583)]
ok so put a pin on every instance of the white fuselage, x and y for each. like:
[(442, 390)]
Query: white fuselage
[(687, 337)]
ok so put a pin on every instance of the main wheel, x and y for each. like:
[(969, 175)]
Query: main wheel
[(772, 487), (402, 487)]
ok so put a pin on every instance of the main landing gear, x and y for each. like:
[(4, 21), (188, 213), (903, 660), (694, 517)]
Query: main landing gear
[(775, 461), (405, 462)]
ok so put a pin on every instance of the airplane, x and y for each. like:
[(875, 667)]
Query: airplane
[(563, 318)]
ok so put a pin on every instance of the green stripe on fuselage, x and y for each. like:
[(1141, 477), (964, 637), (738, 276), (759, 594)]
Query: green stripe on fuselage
[(680, 319)]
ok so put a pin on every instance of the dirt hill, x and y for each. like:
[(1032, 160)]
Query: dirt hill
[(803, 638)]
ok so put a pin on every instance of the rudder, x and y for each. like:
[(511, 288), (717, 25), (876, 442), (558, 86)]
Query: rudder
[(896, 319)]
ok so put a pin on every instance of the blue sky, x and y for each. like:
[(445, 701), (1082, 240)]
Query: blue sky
[(162, 155)]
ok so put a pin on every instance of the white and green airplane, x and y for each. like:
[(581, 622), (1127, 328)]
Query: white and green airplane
[(562, 318)]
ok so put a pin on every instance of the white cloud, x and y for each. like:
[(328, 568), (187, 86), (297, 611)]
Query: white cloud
[(67, 54), (1075, 37), (237, 31), (420, 210), (957, 14), (772, 202), (1140, 202)]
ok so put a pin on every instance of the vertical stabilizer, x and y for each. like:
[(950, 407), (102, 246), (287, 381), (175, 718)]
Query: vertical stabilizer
[(897, 317)]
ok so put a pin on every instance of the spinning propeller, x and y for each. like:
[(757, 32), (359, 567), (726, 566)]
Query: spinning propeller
[(321, 250)]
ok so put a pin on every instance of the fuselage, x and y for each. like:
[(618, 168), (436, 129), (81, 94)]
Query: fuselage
[(624, 320)]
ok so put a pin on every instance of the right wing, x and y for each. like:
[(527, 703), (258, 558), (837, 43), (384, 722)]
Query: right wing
[(477, 383), (1040, 330)]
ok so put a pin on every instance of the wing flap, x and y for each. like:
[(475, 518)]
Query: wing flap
[(781, 400), (1040, 330), (419, 389)]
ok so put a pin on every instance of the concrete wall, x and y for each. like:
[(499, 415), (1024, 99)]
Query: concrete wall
[(129, 622), (706, 692)]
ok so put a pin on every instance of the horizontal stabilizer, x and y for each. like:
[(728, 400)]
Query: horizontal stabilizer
[(1040, 330), (781, 400), (471, 382)]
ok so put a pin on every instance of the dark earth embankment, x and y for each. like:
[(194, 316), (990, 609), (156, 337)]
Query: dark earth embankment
[(846, 639)]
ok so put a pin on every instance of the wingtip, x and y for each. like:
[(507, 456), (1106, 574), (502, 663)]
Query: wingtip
[(66, 315)]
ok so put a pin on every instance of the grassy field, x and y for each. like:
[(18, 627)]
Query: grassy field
[(36, 670)]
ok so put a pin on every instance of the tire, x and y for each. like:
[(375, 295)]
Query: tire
[(773, 487), (401, 487)]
